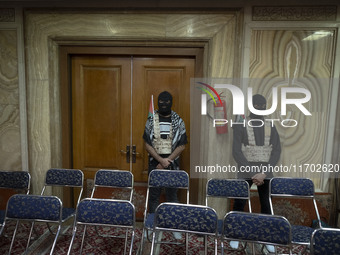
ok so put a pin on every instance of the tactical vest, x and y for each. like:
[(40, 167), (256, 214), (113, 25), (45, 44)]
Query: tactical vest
[(254, 153), (161, 146)]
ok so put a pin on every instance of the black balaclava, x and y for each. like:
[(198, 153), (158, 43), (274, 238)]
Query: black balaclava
[(164, 107), (259, 103)]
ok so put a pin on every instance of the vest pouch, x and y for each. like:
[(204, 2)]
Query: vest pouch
[(255, 153)]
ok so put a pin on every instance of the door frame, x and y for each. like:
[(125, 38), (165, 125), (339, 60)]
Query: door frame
[(193, 49)]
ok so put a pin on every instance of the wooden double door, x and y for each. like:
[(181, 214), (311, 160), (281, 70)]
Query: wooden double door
[(110, 103)]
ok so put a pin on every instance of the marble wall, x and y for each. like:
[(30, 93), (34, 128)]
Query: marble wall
[(301, 59), (10, 138)]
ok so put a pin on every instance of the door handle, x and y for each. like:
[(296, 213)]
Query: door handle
[(134, 153), (127, 153)]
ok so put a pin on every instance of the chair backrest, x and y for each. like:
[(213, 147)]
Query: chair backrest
[(106, 212), (228, 188), (169, 179), (64, 177), (325, 241), (34, 207), (253, 227), (293, 188), (298, 187), (15, 180), (113, 179), (186, 217)]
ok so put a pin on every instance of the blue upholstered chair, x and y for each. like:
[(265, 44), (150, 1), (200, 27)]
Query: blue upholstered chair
[(71, 178), (113, 179), (116, 180), (34, 208), (105, 212), (14, 180), (295, 188), (162, 179), (230, 189), (186, 218), (325, 241), (257, 228)]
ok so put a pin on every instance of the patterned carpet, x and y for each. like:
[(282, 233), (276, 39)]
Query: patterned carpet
[(102, 245)]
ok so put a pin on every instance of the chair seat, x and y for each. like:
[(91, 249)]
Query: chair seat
[(149, 220), (301, 234), (68, 212)]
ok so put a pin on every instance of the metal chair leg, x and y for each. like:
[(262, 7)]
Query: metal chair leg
[(83, 240), (72, 240), (14, 234), (30, 235), (126, 238), (132, 239), (55, 239)]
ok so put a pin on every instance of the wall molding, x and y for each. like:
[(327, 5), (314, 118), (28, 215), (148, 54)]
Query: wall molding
[(294, 13)]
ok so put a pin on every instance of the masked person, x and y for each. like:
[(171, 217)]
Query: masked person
[(256, 148), (165, 138)]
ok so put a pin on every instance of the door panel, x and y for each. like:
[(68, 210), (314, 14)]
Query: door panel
[(100, 113), (104, 102)]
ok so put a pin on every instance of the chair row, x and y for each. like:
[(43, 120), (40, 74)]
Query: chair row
[(50, 209), (123, 212), (235, 189), (278, 188), (194, 219), (241, 226)]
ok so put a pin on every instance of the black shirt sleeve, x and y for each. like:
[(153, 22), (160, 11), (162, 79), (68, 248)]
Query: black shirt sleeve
[(276, 147)]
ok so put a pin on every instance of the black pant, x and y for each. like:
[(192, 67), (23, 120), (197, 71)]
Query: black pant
[(263, 191), (155, 193)]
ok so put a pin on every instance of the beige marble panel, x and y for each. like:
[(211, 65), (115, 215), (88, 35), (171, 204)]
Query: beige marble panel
[(41, 30), (10, 146), (281, 58), (8, 67), (196, 25)]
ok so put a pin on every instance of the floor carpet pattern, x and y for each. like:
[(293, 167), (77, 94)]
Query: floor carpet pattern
[(95, 245)]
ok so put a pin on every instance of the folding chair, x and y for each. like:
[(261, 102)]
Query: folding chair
[(162, 179), (186, 218), (325, 241), (105, 212), (119, 179), (114, 179), (72, 178), (34, 208), (257, 228), (230, 189), (13, 180), (295, 188)]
